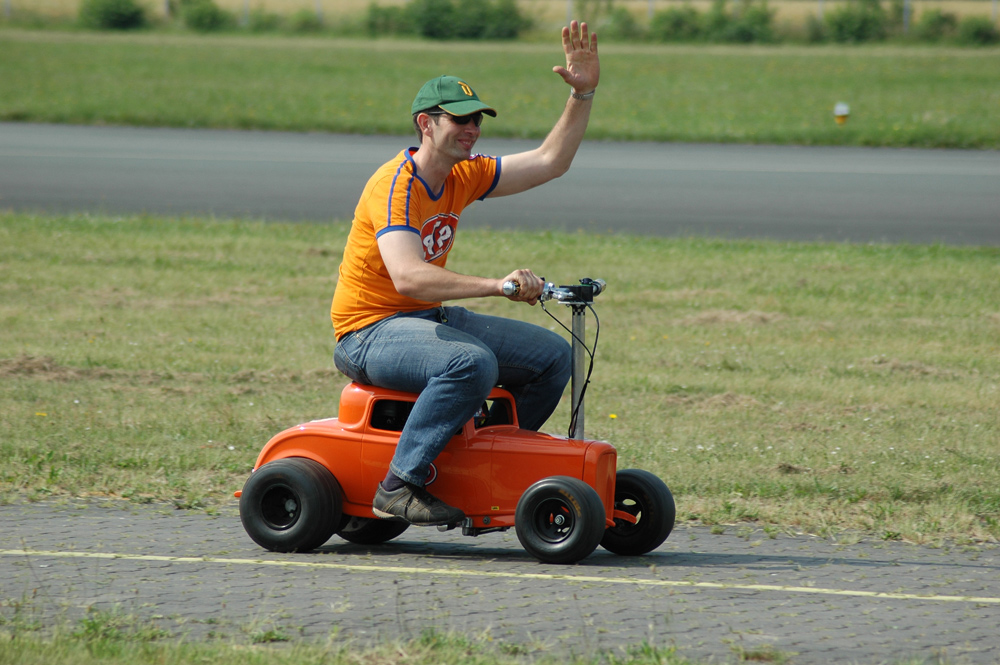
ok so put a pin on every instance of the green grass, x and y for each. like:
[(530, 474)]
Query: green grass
[(117, 638), (814, 387), (899, 96)]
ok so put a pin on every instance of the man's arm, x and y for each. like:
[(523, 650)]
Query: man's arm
[(525, 170), (403, 255)]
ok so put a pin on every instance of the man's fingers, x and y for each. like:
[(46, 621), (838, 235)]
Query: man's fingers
[(580, 45)]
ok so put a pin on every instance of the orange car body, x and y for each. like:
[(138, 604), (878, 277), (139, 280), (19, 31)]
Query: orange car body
[(483, 470)]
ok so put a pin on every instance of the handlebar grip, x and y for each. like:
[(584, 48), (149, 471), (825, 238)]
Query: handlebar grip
[(511, 288)]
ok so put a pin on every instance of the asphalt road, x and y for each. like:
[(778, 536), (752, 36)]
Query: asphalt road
[(792, 193), (723, 598)]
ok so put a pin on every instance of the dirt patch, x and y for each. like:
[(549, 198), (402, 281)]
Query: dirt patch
[(42, 367), (677, 400), (792, 469), (711, 402), (729, 401), (284, 376), (324, 252), (913, 368), (46, 368), (730, 317), (674, 295), (250, 381)]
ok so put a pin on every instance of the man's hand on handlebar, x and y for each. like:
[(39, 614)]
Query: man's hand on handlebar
[(522, 286)]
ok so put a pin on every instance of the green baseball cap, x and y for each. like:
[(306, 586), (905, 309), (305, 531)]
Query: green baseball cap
[(452, 94)]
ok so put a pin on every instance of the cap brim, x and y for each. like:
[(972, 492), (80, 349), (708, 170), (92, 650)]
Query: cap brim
[(468, 107)]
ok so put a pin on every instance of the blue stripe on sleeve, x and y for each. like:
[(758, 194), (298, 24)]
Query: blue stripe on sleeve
[(397, 227), (496, 180), (392, 191), (409, 195)]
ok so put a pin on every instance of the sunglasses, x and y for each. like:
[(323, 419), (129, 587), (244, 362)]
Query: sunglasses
[(475, 118)]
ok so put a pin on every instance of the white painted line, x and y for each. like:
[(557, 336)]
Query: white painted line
[(460, 572)]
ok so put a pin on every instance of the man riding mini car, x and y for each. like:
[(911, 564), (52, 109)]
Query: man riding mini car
[(392, 328)]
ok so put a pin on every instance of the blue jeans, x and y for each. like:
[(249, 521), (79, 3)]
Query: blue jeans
[(453, 358)]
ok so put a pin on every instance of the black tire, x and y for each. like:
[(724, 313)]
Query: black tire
[(291, 505), (642, 494), (370, 530), (559, 520)]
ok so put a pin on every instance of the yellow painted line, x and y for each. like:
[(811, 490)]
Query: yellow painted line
[(460, 572)]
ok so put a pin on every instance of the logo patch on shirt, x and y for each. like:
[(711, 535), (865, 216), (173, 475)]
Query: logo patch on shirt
[(437, 234)]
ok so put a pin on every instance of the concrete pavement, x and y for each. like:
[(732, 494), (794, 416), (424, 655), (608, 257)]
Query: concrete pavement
[(711, 596)]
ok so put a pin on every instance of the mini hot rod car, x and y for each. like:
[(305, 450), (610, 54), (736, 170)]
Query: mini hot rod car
[(563, 496)]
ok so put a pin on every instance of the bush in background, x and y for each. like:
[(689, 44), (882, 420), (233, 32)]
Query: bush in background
[(978, 31), (934, 25), (305, 21), (434, 19), (506, 20), (470, 18), (391, 20), (621, 24), (450, 19), (857, 21), (750, 21), (261, 20), (205, 16), (676, 24), (816, 32), (112, 14)]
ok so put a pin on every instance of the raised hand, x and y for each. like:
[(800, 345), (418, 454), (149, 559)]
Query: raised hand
[(583, 67)]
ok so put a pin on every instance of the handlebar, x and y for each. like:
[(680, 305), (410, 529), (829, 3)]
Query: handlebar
[(576, 294)]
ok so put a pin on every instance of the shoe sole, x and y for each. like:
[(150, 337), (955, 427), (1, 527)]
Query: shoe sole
[(381, 514)]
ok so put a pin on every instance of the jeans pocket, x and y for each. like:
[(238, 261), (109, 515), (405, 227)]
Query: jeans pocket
[(344, 357)]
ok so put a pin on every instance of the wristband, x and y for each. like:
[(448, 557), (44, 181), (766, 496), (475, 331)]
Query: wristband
[(584, 97)]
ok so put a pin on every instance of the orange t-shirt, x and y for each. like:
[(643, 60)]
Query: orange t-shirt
[(397, 199)]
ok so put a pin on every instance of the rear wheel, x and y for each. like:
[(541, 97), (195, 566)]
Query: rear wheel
[(291, 505), (559, 520), (370, 531), (650, 504)]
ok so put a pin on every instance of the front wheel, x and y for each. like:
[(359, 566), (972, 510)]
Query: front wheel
[(559, 520), (649, 502), (291, 505)]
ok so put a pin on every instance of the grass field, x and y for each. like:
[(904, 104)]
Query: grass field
[(109, 638), (931, 97), (118, 638), (809, 387)]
